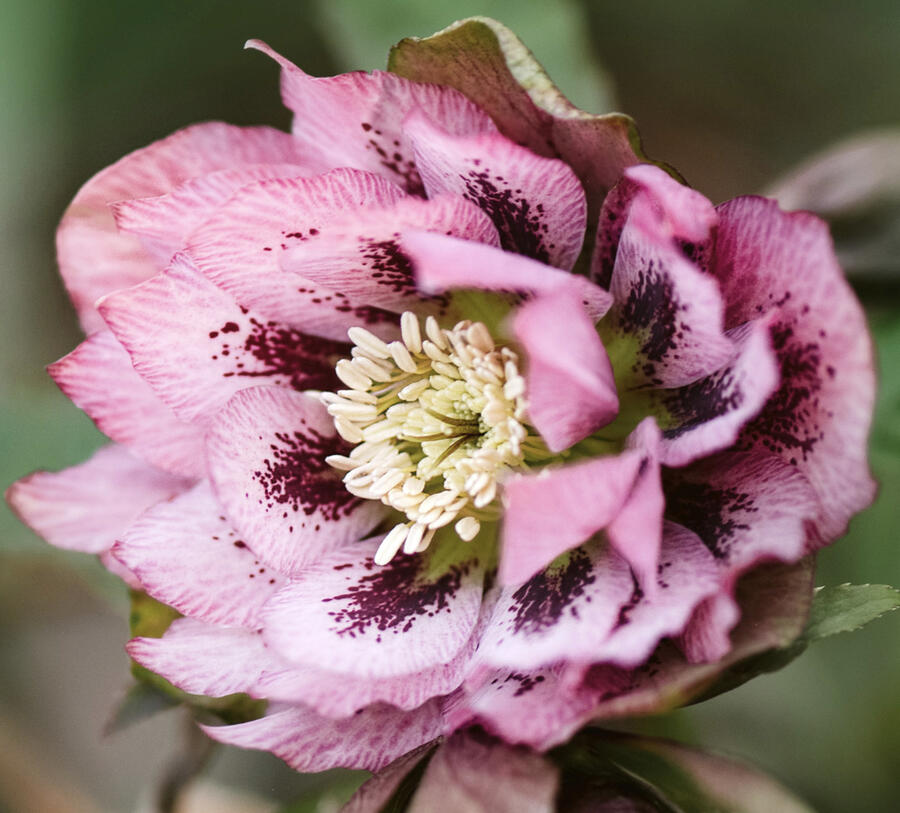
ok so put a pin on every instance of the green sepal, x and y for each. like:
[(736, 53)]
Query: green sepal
[(660, 775), (150, 618)]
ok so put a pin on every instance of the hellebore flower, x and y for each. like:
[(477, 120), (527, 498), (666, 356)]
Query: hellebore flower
[(407, 446)]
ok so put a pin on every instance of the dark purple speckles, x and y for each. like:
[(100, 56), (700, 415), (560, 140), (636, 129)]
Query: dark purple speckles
[(788, 423), (273, 350), (542, 600), (697, 403), (711, 513), (520, 224), (388, 264), (392, 597), (627, 608), (392, 159), (524, 683), (295, 475)]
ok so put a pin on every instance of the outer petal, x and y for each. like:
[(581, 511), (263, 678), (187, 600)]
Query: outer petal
[(474, 774), (164, 222), (99, 378), (266, 456), (94, 257), (672, 310), (441, 263), (361, 256), (239, 247), (570, 386), (346, 614), (196, 347), (201, 658), (587, 495), (353, 120), (708, 415), (676, 210), (819, 417), (308, 742), (87, 506), (537, 204), (188, 556), (375, 792)]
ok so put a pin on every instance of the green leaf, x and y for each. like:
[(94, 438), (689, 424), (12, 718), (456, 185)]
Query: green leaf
[(848, 607), (653, 774), (488, 63)]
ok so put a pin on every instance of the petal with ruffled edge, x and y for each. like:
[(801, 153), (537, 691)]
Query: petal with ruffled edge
[(188, 556), (746, 508), (818, 419), (707, 416), (666, 307), (95, 258), (682, 213), (354, 120), (309, 742), (99, 378), (164, 222), (346, 614), (266, 453), (239, 247), (537, 204), (196, 347), (441, 262), (587, 495), (360, 254), (570, 385), (75, 508)]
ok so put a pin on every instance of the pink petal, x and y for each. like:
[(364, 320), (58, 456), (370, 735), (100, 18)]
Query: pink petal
[(346, 614), (196, 347), (99, 378), (353, 120), (636, 531), (565, 611), (94, 257), (818, 420), (187, 555), (680, 212), (88, 506), (470, 773), (239, 247), (360, 255), (266, 455), (201, 658), (375, 792), (550, 512), (570, 387), (309, 742), (537, 204), (663, 300), (442, 263), (708, 415), (164, 222)]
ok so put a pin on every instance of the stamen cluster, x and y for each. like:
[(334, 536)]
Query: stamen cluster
[(437, 418)]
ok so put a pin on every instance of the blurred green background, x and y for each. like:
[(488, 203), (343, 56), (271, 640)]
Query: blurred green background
[(732, 92)]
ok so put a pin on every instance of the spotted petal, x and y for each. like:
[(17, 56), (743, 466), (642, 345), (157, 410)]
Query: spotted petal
[(537, 204), (188, 556), (346, 614), (309, 742), (266, 454), (196, 347), (94, 257), (570, 386), (354, 120), (818, 419), (99, 378), (74, 508)]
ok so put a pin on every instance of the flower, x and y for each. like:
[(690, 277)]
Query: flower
[(412, 445)]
